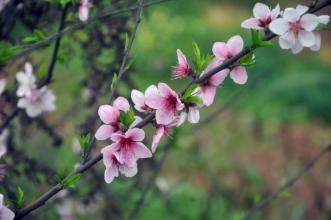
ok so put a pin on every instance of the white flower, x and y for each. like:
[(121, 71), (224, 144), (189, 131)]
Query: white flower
[(38, 101), (323, 19), (5, 213), (83, 9), (3, 142), (2, 85), (26, 80), (295, 29)]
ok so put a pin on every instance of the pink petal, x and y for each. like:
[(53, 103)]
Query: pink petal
[(110, 173), (164, 89), (279, 26), (154, 101), (164, 116), (83, 13), (309, 22), (235, 45), (115, 147), (138, 99), (7, 214), (141, 151), (104, 132), (181, 58), (251, 23), (275, 12), (108, 114), (117, 137), (128, 171), (136, 134), (261, 11), (160, 131), (239, 75), (207, 94), (220, 51), (107, 155), (219, 77), (122, 104), (306, 38)]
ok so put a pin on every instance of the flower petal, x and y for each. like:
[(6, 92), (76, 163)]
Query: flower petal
[(306, 38), (164, 89), (122, 104), (251, 23), (324, 19), (318, 40), (136, 134), (261, 11), (108, 114), (193, 115), (104, 132), (220, 51), (235, 45), (164, 116), (138, 99), (287, 40), (181, 57), (128, 171), (141, 151), (2, 85), (207, 93), (297, 48), (301, 9), (239, 75), (218, 78), (110, 173), (291, 15), (160, 131), (309, 22), (275, 12), (279, 26)]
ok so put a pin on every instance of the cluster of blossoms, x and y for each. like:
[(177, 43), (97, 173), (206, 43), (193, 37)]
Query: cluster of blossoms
[(296, 29), (33, 99), (5, 213), (295, 26)]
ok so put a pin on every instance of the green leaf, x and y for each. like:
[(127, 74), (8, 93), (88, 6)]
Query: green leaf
[(19, 197), (196, 51), (114, 80), (257, 39), (323, 26), (38, 35), (7, 51), (127, 118), (126, 41), (71, 182), (190, 90), (195, 100), (84, 141), (247, 60)]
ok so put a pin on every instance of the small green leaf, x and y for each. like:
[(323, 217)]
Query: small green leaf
[(71, 182), (190, 91), (247, 60), (84, 141), (7, 51), (196, 51), (38, 35), (323, 26), (114, 80), (195, 100), (257, 39), (127, 118), (19, 197)]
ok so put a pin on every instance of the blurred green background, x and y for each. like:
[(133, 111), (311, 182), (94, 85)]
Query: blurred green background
[(280, 120)]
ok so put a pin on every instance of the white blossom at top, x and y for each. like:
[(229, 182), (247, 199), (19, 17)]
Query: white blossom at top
[(26, 80)]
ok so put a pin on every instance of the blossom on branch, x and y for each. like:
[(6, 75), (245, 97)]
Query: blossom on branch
[(26, 80), (224, 51), (5, 213), (295, 29), (183, 68), (139, 98), (166, 103), (263, 16), (110, 116), (37, 101), (83, 9)]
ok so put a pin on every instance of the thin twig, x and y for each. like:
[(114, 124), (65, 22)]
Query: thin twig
[(57, 188), (305, 168)]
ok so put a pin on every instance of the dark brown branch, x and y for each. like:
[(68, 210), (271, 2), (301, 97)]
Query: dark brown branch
[(273, 195)]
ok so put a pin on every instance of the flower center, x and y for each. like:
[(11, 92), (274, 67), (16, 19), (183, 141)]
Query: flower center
[(265, 23), (35, 96), (171, 102), (296, 26)]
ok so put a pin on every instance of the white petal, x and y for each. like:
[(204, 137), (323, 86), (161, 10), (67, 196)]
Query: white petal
[(279, 26), (297, 48), (287, 40), (261, 11), (318, 40), (309, 22), (193, 115), (301, 9), (324, 19), (251, 23), (306, 38), (291, 15)]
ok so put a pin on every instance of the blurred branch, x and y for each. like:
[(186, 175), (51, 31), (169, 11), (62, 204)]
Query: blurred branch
[(105, 14), (273, 195), (90, 163)]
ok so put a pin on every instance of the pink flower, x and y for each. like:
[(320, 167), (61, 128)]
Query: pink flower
[(2, 85), (263, 16), (139, 98), (83, 9), (110, 116), (166, 103), (295, 29), (5, 213), (37, 101), (114, 164), (207, 90), (192, 113), (130, 146), (224, 51), (183, 68)]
